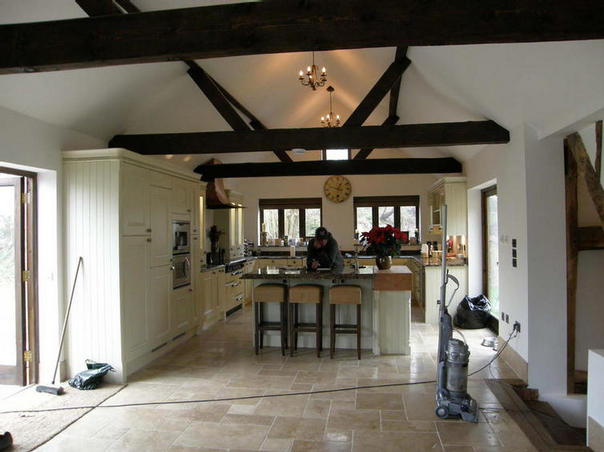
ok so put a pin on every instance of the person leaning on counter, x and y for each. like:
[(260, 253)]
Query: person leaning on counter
[(323, 252)]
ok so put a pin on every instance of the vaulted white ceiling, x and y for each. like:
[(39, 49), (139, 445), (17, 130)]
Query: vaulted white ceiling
[(548, 85)]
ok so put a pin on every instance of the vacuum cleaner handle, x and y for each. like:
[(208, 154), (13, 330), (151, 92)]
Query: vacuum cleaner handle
[(453, 278)]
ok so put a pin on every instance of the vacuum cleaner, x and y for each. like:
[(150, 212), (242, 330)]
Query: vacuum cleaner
[(452, 398)]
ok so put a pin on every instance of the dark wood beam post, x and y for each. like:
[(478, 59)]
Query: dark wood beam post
[(586, 170), (364, 153), (325, 167), (598, 160), (215, 93), (392, 118), (572, 251), (98, 7), (278, 27), (406, 135), (377, 93), (401, 52), (591, 238)]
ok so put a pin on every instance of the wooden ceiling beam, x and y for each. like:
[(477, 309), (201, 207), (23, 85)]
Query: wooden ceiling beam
[(398, 136), (99, 7), (364, 153), (598, 159), (216, 94), (401, 52), (325, 167), (377, 93), (590, 238), (278, 27)]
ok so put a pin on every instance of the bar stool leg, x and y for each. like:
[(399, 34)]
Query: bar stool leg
[(260, 326), (318, 329), (332, 330), (359, 331), (292, 327), (256, 328), (320, 325), (296, 317), (282, 330)]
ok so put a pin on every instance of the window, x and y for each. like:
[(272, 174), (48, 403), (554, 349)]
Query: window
[(490, 248), (296, 218), (399, 211), (336, 154)]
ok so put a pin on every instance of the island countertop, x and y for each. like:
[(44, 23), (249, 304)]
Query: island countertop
[(301, 273)]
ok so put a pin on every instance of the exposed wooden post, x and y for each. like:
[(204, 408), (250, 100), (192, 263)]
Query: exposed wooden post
[(572, 251), (575, 144), (598, 160), (591, 238)]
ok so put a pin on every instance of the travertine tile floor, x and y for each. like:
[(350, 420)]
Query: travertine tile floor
[(220, 363)]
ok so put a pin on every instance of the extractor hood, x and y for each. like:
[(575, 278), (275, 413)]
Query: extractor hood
[(216, 196)]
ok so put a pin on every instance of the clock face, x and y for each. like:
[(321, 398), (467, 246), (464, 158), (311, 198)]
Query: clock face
[(337, 188)]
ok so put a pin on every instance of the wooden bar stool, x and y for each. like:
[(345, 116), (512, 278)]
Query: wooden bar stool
[(344, 295), (269, 293), (305, 294)]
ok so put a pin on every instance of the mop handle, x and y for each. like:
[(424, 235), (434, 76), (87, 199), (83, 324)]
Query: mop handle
[(75, 279)]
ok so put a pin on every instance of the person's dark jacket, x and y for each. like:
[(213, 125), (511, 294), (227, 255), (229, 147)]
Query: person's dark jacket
[(328, 256)]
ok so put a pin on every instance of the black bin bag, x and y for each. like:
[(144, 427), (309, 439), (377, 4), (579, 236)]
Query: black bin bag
[(91, 378), (473, 312)]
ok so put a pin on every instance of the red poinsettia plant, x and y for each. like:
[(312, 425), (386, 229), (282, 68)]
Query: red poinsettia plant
[(384, 241)]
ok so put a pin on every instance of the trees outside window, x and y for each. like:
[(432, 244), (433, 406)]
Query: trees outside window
[(296, 218), (399, 211)]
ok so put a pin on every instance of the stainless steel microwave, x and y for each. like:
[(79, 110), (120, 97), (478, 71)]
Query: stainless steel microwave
[(181, 237)]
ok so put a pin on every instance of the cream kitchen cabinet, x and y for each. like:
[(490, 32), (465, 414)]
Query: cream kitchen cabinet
[(450, 191), (118, 211), (432, 290)]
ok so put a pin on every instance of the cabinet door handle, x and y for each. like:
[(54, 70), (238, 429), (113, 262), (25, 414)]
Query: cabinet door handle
[(149, 230), (190, 290), (148, 239)]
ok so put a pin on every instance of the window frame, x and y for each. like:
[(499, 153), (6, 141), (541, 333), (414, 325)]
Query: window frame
[(281, 204), (375, 202)]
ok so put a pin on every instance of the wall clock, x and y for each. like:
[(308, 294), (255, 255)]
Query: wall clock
[(337, 188)]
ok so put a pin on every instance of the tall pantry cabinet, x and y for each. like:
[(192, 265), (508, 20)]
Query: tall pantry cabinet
[(118, 213)]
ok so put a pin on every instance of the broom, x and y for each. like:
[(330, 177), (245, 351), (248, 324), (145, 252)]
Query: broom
[(53, 389)]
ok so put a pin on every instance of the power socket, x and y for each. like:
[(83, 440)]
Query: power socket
[(516, 326)]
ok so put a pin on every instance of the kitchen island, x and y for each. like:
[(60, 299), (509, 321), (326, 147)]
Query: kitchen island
[(385, 305)]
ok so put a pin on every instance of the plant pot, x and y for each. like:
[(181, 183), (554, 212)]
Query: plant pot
[(383, 262)]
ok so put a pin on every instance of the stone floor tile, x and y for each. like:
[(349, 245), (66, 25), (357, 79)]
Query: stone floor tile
[(136, 440), (223, 436), (354, 419), (320, 446), (317, 408), (277, 444), (282, 406), (395, 441), (297, 428), (379, 401), (248, 419), (463, 433)]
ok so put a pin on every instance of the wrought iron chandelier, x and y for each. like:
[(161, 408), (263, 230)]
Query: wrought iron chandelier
[(312, 78), (330, 120)]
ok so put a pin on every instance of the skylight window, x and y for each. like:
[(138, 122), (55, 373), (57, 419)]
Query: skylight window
[(336, 154)]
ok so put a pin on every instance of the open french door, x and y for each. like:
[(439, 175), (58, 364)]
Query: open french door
[(17, 289)]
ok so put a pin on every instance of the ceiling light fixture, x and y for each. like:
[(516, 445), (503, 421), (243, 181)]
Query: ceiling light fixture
[(330, 120), (312, 79)]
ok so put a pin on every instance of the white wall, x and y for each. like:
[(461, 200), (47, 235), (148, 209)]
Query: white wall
[(589, 326), (337, 218), (546, 221), (33, 145), (595, 389), (506, 165)]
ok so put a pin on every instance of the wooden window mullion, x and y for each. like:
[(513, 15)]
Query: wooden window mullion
[(302, 222), (281, 222)]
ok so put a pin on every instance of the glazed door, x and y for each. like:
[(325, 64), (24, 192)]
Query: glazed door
[(12, 337)]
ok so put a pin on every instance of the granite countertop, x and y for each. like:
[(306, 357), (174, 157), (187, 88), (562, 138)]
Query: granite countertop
[(302, 273)]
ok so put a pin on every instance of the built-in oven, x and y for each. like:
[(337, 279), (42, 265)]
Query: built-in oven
[(181, 270), (181, 237)]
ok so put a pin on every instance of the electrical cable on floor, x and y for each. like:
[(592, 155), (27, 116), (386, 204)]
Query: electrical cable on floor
[(265, 396)]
